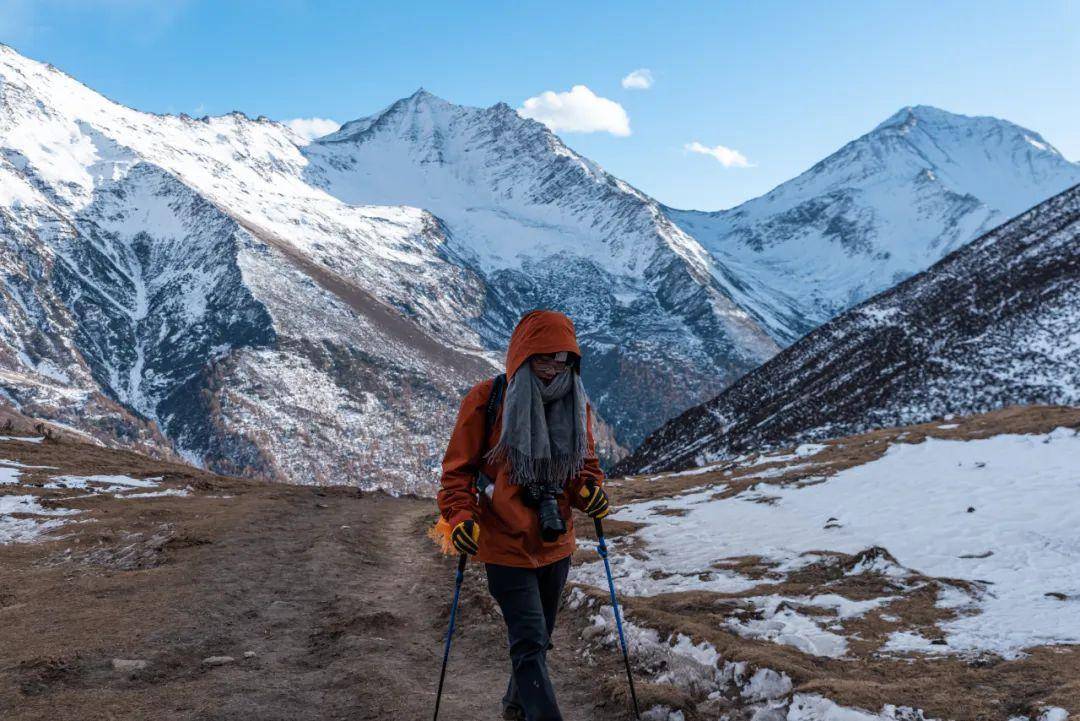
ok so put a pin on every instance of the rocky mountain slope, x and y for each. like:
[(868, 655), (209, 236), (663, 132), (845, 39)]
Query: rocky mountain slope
[(994, 323), (176, 284), (234, 297), (221, 290), (885, 206)]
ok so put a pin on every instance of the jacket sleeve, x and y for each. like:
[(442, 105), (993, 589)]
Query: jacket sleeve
[(591, 471), (457, 497)]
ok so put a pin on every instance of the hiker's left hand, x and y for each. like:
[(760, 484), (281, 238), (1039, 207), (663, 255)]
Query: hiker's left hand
[(596, 501)]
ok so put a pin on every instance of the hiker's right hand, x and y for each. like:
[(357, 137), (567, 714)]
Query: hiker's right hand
[(596, 501), (466, 537)]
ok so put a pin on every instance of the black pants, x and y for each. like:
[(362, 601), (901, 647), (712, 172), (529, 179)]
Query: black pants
[(529, 599)]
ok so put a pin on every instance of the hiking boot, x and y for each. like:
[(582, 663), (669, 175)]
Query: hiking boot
[(513, 713)]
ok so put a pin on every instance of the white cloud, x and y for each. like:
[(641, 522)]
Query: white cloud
[(312, 128), (640, 79), (728, 157), (578, 111)]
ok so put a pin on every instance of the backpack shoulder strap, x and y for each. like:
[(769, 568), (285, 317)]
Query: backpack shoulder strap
[(498, 387), (484, 485)]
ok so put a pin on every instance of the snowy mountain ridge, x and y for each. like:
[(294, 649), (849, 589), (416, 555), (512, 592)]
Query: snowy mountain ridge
[(543, 226), (196, 277), (993, 324), (223, 289)]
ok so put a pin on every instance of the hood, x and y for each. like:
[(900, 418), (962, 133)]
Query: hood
[(540, 331)]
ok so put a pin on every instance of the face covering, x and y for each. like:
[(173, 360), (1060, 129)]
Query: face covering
[(543, 434)]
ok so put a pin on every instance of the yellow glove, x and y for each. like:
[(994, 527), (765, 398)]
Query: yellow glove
[(596, 501), (466, 537)]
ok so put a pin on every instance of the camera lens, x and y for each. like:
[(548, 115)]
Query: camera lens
[(552, 524)]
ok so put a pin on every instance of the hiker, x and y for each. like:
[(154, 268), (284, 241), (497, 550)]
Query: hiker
[(540, 453)]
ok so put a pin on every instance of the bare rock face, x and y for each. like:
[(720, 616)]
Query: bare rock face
[(125, 665), (995, 323)]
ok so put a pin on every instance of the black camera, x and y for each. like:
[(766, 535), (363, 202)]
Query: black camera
[(546, 502), (552, 524)]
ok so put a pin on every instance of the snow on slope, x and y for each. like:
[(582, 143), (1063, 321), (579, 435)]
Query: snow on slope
[(885, 206), (993, 324), (1019, 541), (186, 251), (69, 140), (544, 226), (900, 567), (165, 272)]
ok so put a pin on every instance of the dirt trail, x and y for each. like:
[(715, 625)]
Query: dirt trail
[(410, 597), (340, 598)]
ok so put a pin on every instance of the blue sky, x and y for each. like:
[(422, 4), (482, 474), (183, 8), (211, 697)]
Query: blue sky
[(776, 85)]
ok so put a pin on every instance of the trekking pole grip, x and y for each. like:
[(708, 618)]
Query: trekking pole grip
[(601, 545)]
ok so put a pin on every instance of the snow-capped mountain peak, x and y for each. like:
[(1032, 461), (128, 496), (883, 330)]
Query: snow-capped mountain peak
[(993, 324), (547, 227), (979, 156), (886, 205)]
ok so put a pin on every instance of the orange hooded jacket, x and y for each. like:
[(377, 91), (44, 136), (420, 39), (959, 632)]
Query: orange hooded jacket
[(510, 530)]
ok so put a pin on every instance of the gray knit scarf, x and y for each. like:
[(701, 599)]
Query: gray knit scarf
[(543, 429)]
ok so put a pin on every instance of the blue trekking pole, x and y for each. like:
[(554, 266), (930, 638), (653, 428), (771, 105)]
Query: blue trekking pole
[(450, 631), (602, 550)]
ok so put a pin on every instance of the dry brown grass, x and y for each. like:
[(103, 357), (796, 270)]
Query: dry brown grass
[(340, 596)]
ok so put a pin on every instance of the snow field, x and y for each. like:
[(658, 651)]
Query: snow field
[(998, 512)]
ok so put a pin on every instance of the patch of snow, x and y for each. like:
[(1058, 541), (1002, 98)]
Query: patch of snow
[(16, 464), (908, 642), (159, 494), (25, 530), (1053, 713), (766, 685), (111, 483), (22, 439), (809, 449), (790, 628), (694, 471), (782, 470), (812, 707)]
